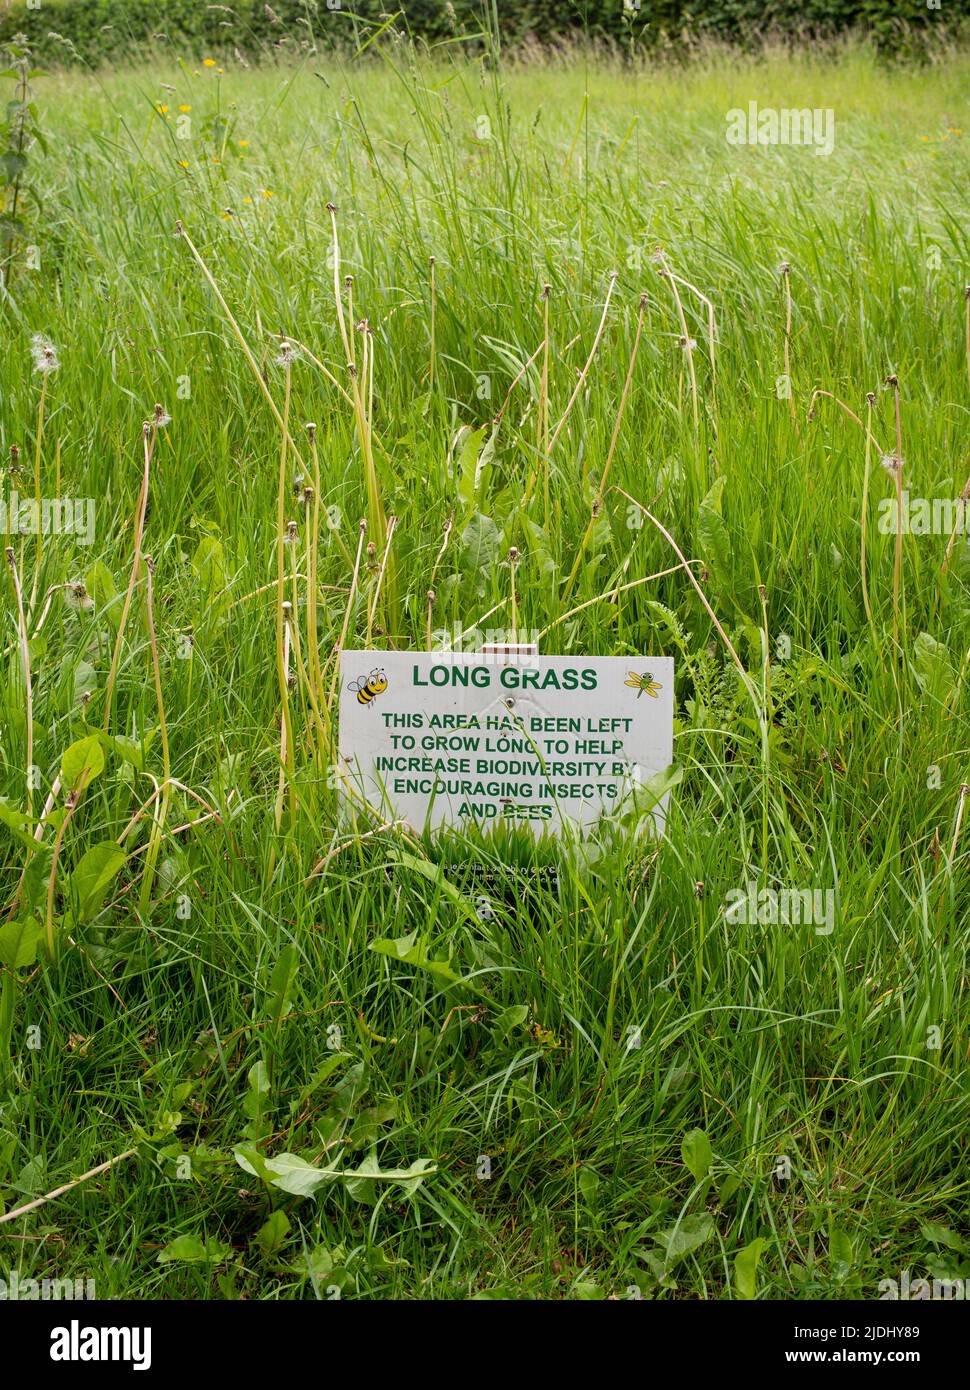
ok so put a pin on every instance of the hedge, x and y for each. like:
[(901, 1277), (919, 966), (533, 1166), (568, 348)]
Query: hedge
[(101, 31)]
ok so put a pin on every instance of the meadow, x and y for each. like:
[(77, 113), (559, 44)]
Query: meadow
[(617, 384)]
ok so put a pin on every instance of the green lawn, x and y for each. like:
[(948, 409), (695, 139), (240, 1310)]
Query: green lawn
[(212, 993)]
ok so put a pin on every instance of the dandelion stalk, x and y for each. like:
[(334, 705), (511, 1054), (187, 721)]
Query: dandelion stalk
[(286, 737), (321, 717), (687, 342), (610, 594), (25, 660), (786, 281), (614, 276), (72, 802), (846, 409), (361, 387), (149, 434), (59, 1191), (542, 424), (362, 530), (864, 517), (964, 792), (711, 324), (958, 526), (313, 538), (893, 381), (372, 608), (375, 510), (434, 315), (240, 339), (685, 566), (434, 571), (40, 529), (288, 768), (160, 811), (601, 491)]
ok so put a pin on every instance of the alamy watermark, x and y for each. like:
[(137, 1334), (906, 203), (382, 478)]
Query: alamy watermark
[(908, 1290), (924, 516), (781, 906), (68, 516), (765, 125), (13, 1289)]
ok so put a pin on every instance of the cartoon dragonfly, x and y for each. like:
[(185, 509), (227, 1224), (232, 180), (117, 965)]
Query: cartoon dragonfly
[(643, 684)]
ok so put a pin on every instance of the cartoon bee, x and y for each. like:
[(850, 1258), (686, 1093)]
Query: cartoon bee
[(643, 684), (369, 687)]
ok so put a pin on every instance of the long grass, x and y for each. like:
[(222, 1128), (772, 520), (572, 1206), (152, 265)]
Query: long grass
[(224, 996)]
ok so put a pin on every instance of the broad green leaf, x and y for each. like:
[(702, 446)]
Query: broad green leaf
[(13, 163), (96, 870), (746, 1269), (272, 1233), (253, 1162), (85, 681), (18, 942), (16, 820), (209, 563), (479, 543), (933, 668), (695, 1150), (413, 952), (194, 1250), (467, 445), (942, 1235), (712, 537), (686, 1236), (101, 586), (508, 1020), (128, 749), (840, 1248), (361, 1179), (281, 982), (295, 1175), (589, 1185), (434, 873), (728, 1187), (82, 762), (587, 1291)]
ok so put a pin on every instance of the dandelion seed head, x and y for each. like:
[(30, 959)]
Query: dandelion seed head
[(77, 596), (288, 354), (44, 353)]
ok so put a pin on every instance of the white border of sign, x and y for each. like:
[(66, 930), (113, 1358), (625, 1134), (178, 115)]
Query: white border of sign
[(448, 738)]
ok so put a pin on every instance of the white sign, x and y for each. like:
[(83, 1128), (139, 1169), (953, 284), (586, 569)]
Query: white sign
[(442, 738)]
